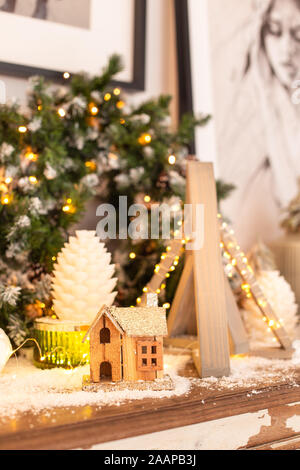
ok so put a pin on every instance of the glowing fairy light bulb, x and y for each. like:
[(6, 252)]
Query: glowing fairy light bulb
[(61, 112), (33, 179), (93, 109), (6, 199), (145, 139), (30, 155), (120, 104), (172, 159), (92, 166)]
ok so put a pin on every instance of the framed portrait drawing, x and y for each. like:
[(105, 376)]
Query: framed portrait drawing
[(240, 62), (51, 37)]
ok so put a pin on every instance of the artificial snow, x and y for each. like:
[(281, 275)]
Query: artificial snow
[(23, 387), (248, 372)]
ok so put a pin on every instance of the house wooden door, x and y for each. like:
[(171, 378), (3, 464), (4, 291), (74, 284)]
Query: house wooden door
[(105, 371)]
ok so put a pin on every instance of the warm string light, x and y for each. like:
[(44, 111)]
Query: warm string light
[(172, 159), (92, 166), (107, 96), (6, 199), (5, 182), (57, 348), (33, 179), (22, 129), (66, 75), (23, 344), (246, 288), (69, 207), (93, 109), (61, 112), (145, 139), (40, 304), (164, 275), (30, 155), (44, 356), (120, 104)]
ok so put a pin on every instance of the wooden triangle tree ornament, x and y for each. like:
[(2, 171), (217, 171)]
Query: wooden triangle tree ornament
[(212, 356), (182, 316), (213, 292), (204, 315), (200, 301)]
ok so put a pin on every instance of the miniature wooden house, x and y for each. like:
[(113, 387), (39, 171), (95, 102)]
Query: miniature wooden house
[(126, 344)]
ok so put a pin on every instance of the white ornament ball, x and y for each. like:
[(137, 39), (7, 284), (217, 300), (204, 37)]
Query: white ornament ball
[(5, 349)]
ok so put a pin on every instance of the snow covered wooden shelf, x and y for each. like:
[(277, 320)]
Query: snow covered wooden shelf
[(257, 406)]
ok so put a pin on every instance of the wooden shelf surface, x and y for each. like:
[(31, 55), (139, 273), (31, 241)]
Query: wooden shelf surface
[(82, 427)]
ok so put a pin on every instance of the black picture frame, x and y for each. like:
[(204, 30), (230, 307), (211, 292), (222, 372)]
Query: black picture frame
[(185, 90), (139, 61)]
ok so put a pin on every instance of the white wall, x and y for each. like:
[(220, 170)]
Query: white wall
[(161, 71), (161, 67), (160, 56)]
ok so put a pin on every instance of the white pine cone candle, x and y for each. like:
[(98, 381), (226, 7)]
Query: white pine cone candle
[(281, 298), (83, 280)]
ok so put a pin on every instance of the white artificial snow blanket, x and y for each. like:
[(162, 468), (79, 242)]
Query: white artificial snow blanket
[(23, 387)]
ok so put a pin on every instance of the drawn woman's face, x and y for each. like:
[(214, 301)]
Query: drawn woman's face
[(282, 40)]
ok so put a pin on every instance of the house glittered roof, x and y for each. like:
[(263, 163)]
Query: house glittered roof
[(137, 321)]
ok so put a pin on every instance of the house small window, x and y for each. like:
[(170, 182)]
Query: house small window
[(104, 335), (149, 355)]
